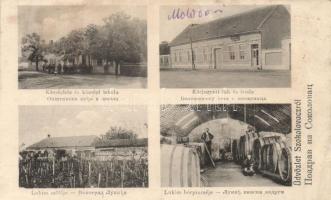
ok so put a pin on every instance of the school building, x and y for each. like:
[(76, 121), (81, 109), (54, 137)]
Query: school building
[(256, 39)]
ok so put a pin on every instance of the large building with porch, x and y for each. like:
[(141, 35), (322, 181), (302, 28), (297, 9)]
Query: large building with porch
[(256, 39)]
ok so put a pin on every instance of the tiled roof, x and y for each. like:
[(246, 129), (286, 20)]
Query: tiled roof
[(63, 142), (140, 142), (246, 22)]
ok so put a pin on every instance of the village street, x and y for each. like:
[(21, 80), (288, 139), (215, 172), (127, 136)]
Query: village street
[(224, 79), (39, 80)]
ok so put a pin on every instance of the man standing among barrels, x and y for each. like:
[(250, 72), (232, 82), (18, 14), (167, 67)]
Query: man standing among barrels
[(207, 137)]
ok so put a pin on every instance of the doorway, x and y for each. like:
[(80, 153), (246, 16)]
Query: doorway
[(218, 58), (255, 55)]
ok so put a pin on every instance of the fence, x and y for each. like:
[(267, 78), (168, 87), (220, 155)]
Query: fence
[(82, 173), (133, 69)]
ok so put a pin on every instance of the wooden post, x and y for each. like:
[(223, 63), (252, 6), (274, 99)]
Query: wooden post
[(27, 180), (111, 170), (54, 170), (99, 179), (122, 175), (89, 173), (107, 178), (209, 156)]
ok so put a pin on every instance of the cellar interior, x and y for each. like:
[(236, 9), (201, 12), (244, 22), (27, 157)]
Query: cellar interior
[(259, 130)]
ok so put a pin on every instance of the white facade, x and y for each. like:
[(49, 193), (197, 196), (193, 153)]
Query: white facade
[(222, 53), (231, 53)]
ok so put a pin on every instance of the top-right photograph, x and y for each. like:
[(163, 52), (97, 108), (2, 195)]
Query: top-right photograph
[(219, 46)]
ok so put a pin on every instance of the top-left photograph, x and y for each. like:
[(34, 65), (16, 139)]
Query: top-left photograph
[(81, 47)]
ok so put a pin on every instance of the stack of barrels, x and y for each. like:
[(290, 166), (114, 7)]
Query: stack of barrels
[(271, 152), (180, 166)]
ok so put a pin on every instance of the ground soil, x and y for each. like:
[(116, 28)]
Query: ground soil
[(39, 80), (224, 79)]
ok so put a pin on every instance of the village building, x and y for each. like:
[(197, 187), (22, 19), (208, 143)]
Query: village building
[(91, 145), (256, 39), (164, 51), (69, 143)]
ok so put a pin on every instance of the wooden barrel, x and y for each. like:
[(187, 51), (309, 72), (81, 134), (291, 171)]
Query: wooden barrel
[(241, 153), (264, 158), (288, 140), (235, 150), (215, 151), (257, 148), (285, 165), (274, 151), (246, 144), (179, 166)]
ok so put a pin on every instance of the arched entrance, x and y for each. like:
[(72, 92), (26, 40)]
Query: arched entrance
[(240, 124)]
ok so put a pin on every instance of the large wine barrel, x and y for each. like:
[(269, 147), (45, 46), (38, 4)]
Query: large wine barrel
[(241, 149), (179, 166), (257, 148), (200, 148), (246, 144), (285, 165), (274, 151), (288, 140), (215, 151), (235, 148)]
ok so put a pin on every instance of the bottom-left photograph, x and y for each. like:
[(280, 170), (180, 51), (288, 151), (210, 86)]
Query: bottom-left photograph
[(83, 146)]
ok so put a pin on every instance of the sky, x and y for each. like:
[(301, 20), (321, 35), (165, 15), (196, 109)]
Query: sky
[(36, 122), (169, 29), (53, 22)]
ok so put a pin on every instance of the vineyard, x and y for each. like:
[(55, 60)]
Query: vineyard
[(73, 172)]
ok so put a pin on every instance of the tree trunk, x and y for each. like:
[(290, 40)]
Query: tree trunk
[(37, 62), (116, 68)]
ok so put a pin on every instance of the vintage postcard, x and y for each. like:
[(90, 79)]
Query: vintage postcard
[(165, 100)]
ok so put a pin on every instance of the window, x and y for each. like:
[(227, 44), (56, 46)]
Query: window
[(180, 56), (175, 57), (231, 53), (242, 50)]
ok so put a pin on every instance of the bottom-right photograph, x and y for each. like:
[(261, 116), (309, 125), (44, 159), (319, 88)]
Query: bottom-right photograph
[(225, 145)]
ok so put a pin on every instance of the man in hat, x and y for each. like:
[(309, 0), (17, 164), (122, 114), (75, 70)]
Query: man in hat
[(207, 137)]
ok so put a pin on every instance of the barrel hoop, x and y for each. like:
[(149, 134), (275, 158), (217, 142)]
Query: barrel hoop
[(198, 167), (182, 167), (190, 159), (289, 167), (170, 164), (278, 151)]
